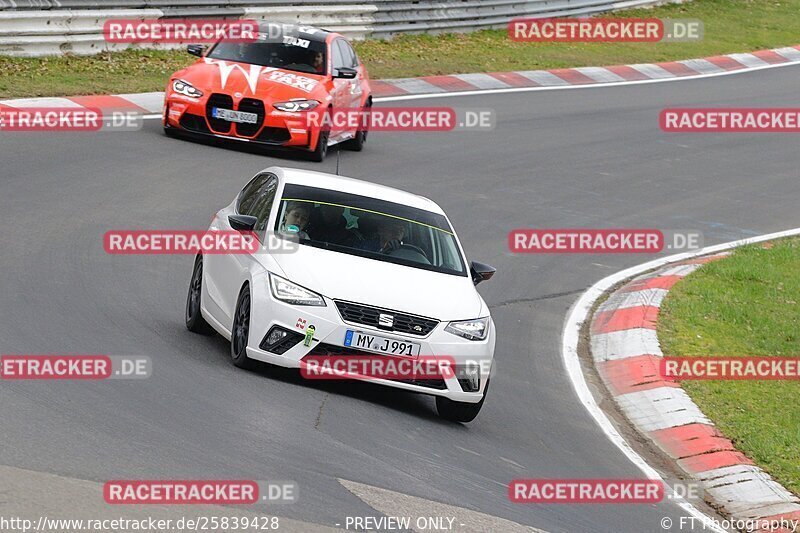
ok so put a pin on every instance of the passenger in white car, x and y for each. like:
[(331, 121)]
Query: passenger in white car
[(296, 218)]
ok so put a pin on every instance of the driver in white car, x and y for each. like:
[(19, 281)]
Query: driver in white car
[(389, 236)]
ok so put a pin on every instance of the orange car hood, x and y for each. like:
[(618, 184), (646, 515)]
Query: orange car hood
[(253, 81)]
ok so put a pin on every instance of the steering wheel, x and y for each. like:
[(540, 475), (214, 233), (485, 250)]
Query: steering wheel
[(411, 247)]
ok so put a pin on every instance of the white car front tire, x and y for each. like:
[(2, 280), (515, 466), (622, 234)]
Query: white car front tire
[(240, 333), (460, 411)]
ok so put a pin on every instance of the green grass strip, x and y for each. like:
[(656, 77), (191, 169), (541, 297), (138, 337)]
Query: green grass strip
[(744, 305)]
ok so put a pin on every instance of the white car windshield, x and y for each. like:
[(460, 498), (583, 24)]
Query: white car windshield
[(371, 228)]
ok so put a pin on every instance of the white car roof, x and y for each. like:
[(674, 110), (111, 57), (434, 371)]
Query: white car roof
[(323, 180)]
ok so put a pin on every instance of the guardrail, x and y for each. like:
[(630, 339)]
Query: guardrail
[(47, 27)]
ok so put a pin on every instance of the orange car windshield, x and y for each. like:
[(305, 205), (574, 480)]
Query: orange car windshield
[(311, 59)]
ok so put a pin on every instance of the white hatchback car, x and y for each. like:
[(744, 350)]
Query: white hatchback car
[(374, 271)]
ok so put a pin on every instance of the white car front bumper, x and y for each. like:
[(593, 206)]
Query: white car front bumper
[(329, 337)]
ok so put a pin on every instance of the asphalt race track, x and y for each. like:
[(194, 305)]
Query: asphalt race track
[(591, 157)]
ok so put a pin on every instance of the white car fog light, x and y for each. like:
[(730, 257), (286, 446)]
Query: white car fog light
[(276, 336), (279, 340), (469, 377)]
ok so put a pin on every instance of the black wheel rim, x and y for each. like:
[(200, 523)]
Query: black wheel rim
[(193, 303), (241, 326)]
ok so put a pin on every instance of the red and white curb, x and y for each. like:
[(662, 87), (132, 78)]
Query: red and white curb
[(626, 354), (481, 83), (144, 103)]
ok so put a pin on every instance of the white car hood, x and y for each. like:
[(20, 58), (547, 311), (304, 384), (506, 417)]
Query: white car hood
[(380, 284)]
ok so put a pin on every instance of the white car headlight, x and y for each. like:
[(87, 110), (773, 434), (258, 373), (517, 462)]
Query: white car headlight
[(474, 330), (291, 293), (185, 88), (293, 106)]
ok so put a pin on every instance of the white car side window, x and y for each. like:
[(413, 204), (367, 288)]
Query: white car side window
[(249, 194), (263, 205)]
